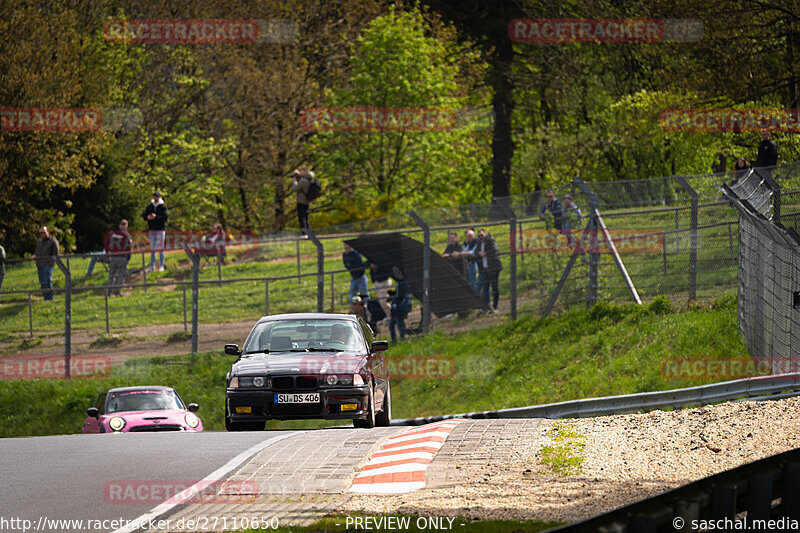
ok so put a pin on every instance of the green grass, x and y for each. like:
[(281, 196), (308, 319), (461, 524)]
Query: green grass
[(583, 353), (564, 456)]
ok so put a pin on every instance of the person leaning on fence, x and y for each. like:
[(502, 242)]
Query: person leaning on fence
[(553, 206), (45, 255), (453, 253), (118, 245), (358, 278), (468, 251), (489, 267), (740, 168), (401, 304), (156, 216), (381, 280), (300, 185)]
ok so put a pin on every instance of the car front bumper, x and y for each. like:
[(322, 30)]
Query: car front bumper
[(262, 406)]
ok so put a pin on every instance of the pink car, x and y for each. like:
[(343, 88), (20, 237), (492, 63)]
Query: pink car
[(137, 409)]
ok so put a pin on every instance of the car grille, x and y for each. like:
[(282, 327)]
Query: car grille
[(156, 427), (294, 383)]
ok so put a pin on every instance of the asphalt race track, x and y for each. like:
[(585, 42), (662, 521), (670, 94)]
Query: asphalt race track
[(65, 476)]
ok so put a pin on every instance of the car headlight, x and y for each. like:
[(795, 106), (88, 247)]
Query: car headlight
[(116, 423), (191, 420), (331, 379), (358, 379), (248, 382)]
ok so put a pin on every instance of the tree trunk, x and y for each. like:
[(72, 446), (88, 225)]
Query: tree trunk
[(503, 105)]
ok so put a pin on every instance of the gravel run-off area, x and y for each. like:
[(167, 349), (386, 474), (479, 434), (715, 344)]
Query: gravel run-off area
[(627, 458)]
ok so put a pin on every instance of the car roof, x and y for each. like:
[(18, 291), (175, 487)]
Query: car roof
[(309, 316), (142, 387)]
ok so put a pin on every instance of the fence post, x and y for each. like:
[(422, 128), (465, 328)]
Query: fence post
[(67, 317), (426, 270), (266, 297), (333, 293), (105, 295), (592, 226), (299, 281), (195, 292), (30, 313), (320, 266), (185, 327), (512, 238), (693, 237), (144, 273)]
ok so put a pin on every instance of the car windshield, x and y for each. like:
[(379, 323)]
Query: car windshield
[(143, 400), (281, 336)]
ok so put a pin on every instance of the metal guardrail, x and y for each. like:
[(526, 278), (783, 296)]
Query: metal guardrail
[(767, 489), (631, 403)]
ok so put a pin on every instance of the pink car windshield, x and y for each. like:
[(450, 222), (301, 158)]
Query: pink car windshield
[(143, 400)]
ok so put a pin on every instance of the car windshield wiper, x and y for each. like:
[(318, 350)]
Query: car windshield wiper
[(256, 352), (315, 349)]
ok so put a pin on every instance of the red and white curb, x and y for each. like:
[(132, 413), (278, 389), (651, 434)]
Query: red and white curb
[(400, 465)]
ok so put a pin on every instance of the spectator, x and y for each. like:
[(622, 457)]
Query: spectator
[(214, 242), (453, 253), (740, 168), (572, 218), (554, 207), (45, 255), (489, 267), (156, 217), (468, 251), (358, 309), (358, 279), (381, 280), (118, 245), (767, 152), (300, 184), (2, 265), (401, 304)]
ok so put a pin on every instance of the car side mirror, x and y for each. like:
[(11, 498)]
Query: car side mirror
[(94, 412), (232, 349), (380, 346), (193, 407)]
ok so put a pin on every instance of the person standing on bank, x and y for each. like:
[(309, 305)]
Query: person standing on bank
[(300, 185), (767, 152), (156, 217), (358, 278), (118, 246), (45, 255), (401, 304), (489, 267)]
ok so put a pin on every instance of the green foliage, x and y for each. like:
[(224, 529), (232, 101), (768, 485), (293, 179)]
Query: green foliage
[(564, 456)]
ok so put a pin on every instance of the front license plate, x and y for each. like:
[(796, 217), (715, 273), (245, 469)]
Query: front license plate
[(309, 397)]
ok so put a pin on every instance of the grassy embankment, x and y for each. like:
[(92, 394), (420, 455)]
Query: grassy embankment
[(583, 353)]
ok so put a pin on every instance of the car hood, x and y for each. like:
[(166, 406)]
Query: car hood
[(303, 363), (164, 417)]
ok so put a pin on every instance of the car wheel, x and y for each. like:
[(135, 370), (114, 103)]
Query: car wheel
[(369, 421), (384, 418)]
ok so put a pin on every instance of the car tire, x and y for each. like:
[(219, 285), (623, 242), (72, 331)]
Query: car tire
[(369, 421), (243, 426), (384, 418)]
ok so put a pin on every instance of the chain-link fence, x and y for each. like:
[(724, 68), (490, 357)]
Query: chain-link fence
[(769, 267), (611, 241)]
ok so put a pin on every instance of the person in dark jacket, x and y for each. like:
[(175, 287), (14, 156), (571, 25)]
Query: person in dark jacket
[(300, 185), (156, 217), (358, 278), (468, 252), (45, 255), (452, 253), (401, 304), (381, 280), (118, 245), (553, 206), (767, 152), (489, 267)]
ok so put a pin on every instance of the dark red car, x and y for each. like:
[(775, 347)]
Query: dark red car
[(308, 365)]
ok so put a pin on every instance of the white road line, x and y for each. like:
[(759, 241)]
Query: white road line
[(216, 475), (388, 488)]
